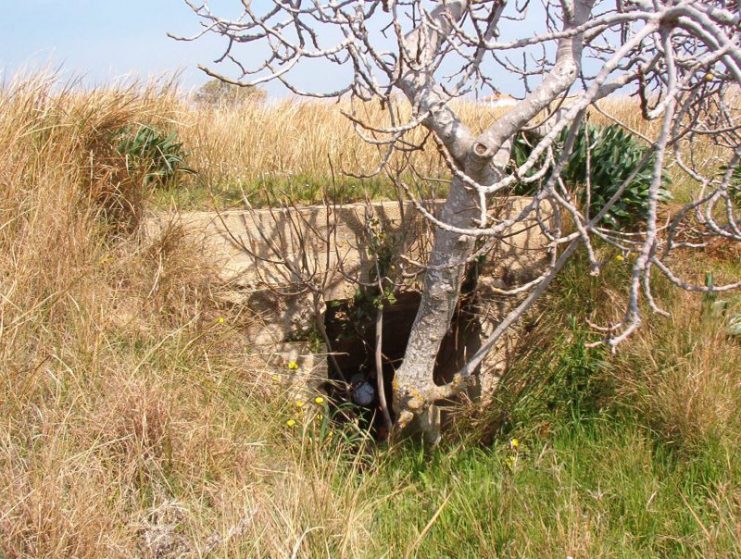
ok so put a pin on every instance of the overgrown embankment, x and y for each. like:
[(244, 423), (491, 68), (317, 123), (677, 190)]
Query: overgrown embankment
[(132, 425)]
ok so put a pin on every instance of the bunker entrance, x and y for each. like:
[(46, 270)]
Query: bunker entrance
[(351, 328)]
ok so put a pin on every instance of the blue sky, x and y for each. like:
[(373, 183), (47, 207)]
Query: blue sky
[(103, 40)]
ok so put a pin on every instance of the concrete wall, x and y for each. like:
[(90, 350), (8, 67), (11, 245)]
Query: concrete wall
[(268, 257)]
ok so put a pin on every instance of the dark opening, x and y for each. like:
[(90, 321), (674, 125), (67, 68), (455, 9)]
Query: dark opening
[(351, 327)]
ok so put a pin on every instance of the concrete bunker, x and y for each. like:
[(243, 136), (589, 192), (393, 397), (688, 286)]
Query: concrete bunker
[(351, 328), (293, 266)]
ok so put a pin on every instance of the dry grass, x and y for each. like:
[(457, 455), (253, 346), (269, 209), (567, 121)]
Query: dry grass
[(307, 145), (309, 139), (289, 139), (132, 423), (130, 426), (682, 374)]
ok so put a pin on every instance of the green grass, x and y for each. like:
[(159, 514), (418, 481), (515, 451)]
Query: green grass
[(600, 471), (271, 190), (595, 488), (133, 410)]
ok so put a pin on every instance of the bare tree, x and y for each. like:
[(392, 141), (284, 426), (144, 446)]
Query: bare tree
[(680, 58)]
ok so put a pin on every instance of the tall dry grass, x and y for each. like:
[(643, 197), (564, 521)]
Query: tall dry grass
[(297, 140), (681, 375), (292, 142), (131, 422)]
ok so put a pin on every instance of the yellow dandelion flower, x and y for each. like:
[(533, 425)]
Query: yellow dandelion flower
[(292, 365), (514, 443), (299, 404), (318, 400), (291, 423), (220, 320), (620, 258)]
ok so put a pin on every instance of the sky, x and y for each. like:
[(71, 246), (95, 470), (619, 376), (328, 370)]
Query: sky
[(103, 40)]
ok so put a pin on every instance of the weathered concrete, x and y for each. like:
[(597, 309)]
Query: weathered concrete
[(517, 260), (280, 248), (285, 263)]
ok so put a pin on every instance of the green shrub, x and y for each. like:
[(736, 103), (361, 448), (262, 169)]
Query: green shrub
[(614, 155), (158, 157)]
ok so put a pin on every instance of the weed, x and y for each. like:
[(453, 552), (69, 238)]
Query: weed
[(134, 422), (158, 157)]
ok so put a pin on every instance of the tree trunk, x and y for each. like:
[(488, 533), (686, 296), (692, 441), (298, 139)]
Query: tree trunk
[(484, 160), (414, 382), (415, 391)]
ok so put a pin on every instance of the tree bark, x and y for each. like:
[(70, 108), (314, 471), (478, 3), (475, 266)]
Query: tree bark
[(413, 382), (483, 160), (415, 391)]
